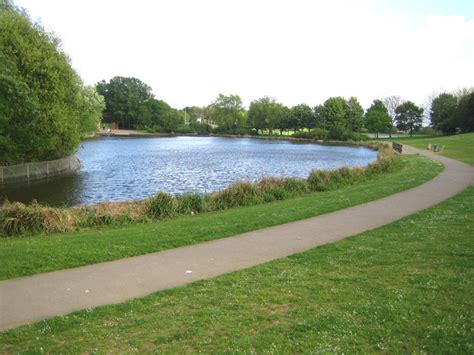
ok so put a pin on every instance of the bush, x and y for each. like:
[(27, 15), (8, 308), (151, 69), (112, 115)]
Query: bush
[(337, 133), (184, 129), (160, 206), (315, 134), (358, 137), (190, 204)]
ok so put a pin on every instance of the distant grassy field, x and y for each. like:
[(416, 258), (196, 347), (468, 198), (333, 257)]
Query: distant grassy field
[(459, 147), (402, 288), (42, 253)]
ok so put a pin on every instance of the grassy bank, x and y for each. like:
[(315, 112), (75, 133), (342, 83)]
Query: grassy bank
[(31, 255), (18, 219), (460, 147), (405, 287)]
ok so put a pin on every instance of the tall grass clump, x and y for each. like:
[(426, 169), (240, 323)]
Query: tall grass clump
[(190, 204), (161, 206), (17, 218), (238, 194)]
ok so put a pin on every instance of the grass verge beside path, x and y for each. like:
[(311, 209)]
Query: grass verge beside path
[(405, 287), (460, 147), (32, 255)]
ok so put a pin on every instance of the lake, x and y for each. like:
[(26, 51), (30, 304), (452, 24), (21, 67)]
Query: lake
[(118, 168)]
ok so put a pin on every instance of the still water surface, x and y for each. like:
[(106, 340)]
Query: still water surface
[(118, 169)]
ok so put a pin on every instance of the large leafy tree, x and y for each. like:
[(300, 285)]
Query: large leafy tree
[(443, 111), (92, 105), (301, 116), (265, 113), (409, 117), (227, 112), (377, 118), (40, 93), (124, 99), (354, 115), (464, 115), (332, 113)]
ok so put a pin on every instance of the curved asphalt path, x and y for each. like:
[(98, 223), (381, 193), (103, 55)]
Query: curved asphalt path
[(29, 299)]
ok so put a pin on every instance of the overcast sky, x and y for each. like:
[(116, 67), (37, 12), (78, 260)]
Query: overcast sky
[(297, 51)]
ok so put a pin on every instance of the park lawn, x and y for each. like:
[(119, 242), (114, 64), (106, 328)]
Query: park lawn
[(21, 256), (460, 147), (403, 288)]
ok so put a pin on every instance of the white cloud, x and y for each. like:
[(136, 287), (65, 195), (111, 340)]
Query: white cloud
[(297, 51)]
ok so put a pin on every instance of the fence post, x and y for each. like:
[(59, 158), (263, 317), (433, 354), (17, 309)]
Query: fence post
[(47, 168), (28, 172)]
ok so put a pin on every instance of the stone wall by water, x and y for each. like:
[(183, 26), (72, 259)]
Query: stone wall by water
[(28, 172)]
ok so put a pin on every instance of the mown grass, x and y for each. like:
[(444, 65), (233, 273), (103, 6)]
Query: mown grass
[(402, 288), (42, 253), (459, 147)]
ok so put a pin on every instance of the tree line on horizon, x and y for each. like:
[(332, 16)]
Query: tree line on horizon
[(45, 109), (131, 104)]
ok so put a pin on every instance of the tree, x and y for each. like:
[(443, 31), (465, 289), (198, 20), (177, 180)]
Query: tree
[(227, 112), (301, 116), (284, 124), (124, 98), (40, 93), (92, 105), (265, 113), (463, 116), (409, 117), (377, 118), (332, 113), (443, 113), (354, 115), (391, 103)]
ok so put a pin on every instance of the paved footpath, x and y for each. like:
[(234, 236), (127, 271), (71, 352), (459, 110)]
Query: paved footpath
[(33, 298)]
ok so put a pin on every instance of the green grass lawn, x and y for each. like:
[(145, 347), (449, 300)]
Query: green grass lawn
[(460, 147), (402, 288), (31, 255)]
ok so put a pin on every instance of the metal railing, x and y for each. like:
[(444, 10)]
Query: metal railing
[(27, 172)]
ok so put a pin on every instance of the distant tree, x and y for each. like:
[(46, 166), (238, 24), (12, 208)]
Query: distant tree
[(377, 118), (354, 115), (409, 117), (40, 93), (301, 116), (443, 113), (332, 113), (265, 113), (391, 103), (124, 98), (158, 114), (284, 124), (92, 105), (228, 112), (464, 115)]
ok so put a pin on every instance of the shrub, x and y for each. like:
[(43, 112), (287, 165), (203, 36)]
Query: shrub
[(190, 204), (315, 134), (359, 137), (338, 133), (160, 206), (18, 218)]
